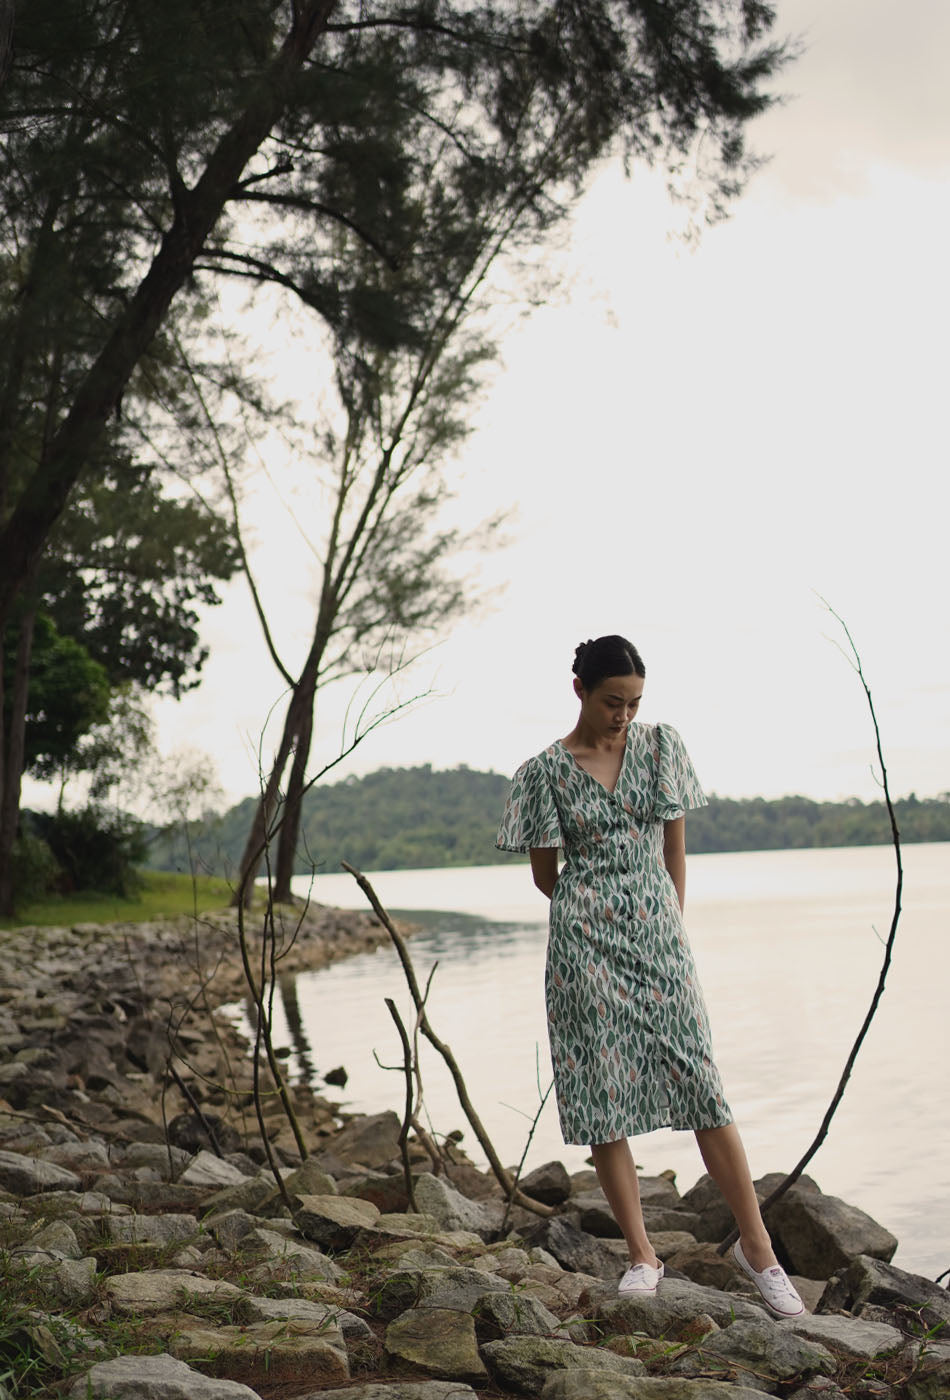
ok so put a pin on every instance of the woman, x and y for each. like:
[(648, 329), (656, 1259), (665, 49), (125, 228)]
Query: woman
[(629, 1034)]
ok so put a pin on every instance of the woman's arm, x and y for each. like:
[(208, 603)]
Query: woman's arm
[(544, 868), (674, 855)]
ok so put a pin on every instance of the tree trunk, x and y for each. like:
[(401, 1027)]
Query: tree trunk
[(14, 748), (289, 833), (49, 488)]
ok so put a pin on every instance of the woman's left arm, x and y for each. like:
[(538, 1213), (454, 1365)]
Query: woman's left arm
[(674, 855)]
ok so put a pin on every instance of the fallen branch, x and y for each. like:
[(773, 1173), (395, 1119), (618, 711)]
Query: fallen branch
[(410, 1095), (795, 1173), (502, 1175)]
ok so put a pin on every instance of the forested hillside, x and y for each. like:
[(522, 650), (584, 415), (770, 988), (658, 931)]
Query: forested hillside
[(405, 818)]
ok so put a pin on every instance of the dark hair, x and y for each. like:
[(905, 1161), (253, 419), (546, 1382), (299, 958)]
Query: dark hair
[(595, 660)]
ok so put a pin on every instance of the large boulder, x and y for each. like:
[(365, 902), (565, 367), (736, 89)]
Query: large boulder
[(439, 1341), (513, 1315), (206, 1169), (28, 1176), (523, 1364), (153, 1378), (678, 1301), (816, 1235), (372, 1141), (267, 1353), (756, 1349), (849, 1336), (549, 1184), (875, 1283), (436, 1197), (574, 1249), (333, 1222), (455, 1287), (601, 1385), (164, 1290)]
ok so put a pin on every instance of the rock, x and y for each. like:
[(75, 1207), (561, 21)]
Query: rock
[(205, 1169), (596, 1385), (372, 1140), (77, 1154), (513, 1314), (310, 1179), (454, 1211), (165, 1290), (388, 1192), (153, 1378), (267, 1352), (69, 1283), (281, 1256), (573, 1249), (678, 1301), (704, 1264), (439, 1341), (659, 1218), (930, 1383), (594, 1216), (333, 1222), (336, 1077), (851, 1336), (251, 1194), (230, 1227), (188, 1131), (401, 1390), (549, 1184), (149, 1229), (873, 1281), (54, 1238), (523, 1364), (756, 1349), (251, 1309), (454, 1287), (816, 1235), (28, 1176)]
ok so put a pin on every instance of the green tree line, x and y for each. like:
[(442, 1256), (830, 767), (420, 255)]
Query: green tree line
[(418, 818)]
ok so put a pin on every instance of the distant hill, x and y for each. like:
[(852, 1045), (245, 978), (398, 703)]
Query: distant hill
[(413, 818)]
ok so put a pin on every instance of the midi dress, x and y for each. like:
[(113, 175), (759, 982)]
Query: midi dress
[(629, 1034)]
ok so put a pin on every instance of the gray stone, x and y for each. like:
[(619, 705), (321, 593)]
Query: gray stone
[(868, 1280), (816, 1235), (598, 1385), (549, 1184), (28, 1176), (523, 1364), (251, 1309), (676, 1302), (595, 1216), (455, 1287), (149, 1229), (574, 1249), (434, 1196), (164, 1290), (930, 1383), (253, 1193), (372, 1140), (70, 1283), (513, 1314), (659, 1218), (439, 1341), (703, 1263), (757, 1349), (54, 1238), (851, 1336), (79, 1154), (230, 1228), (333, 1222), (153, 1378), (310, 1179), (205, 1169), (267, 1353), (400, 1390), (280, 1255)]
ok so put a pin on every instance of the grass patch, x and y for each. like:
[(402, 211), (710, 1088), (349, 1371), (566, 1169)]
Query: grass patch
[(164, 894)]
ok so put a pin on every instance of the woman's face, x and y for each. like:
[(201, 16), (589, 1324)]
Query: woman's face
[(612, 704)]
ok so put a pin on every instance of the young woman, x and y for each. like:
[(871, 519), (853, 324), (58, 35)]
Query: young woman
[(629, 1034)]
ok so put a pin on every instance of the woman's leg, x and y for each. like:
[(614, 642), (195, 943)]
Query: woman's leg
[(726, 1162), (617, 1174)]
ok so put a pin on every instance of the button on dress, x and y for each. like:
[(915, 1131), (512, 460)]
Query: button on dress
[(629, 1033)]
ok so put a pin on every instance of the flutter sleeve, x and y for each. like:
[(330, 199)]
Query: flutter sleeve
[(677, 786), (530, 818)]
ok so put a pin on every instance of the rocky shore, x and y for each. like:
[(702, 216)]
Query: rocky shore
[(146, 1254)]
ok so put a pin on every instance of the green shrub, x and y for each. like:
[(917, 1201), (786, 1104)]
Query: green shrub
[(35, 868), (95, 849)]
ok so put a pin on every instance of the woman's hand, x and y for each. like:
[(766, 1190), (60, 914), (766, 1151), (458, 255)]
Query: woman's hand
[(674, 855), (544, 868)]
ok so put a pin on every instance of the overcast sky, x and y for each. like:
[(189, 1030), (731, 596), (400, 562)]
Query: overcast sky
[(693, 445)]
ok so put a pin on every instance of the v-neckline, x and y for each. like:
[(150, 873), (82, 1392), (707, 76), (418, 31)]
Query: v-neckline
[(611, 792)]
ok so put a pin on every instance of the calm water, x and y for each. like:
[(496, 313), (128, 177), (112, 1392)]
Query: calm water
[(789, 947)]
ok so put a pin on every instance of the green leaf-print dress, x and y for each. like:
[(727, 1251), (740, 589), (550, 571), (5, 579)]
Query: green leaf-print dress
[(629, 1033)]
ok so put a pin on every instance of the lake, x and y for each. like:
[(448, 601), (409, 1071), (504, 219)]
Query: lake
[(789, 946)]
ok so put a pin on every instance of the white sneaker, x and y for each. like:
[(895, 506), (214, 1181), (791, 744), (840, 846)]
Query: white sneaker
[(773, 1284), (640, 1280)]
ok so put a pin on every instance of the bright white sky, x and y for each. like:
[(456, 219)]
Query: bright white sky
[(693, 444)]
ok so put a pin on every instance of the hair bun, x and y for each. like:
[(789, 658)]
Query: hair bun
[(579, 653)]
